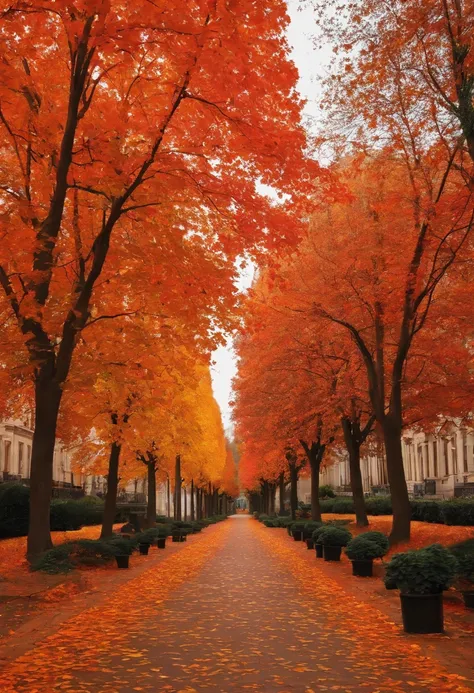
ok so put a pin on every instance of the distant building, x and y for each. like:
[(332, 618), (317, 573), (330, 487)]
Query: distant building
[(436, 465)]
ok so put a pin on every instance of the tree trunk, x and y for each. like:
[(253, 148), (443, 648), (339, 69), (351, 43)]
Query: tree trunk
[(111, 496), (352, 440), (185, 493), (293, 490), (315, 464), (168, 496), (272, 499), (281, 486), (177, 488), (192, 500), (47, 401), (151, 504), (392, 433)]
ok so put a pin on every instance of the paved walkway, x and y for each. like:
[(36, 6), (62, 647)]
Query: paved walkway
[(239, 609)]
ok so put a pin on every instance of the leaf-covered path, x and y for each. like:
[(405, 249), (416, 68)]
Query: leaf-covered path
[(239, 609)]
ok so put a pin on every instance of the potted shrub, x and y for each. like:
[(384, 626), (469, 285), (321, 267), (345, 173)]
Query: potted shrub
[(316, 541), (122, 549), (297, 529), (362, 552), (333, 539), (421, 576), (308, 532), (176, 535), (465, 575)]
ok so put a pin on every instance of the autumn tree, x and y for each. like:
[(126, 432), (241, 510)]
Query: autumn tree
[(128, 131)]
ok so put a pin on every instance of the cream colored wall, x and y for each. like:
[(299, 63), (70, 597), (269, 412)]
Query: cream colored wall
[(447, 458)]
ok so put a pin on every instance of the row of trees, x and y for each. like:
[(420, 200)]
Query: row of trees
[(368, 323), (132, 138)]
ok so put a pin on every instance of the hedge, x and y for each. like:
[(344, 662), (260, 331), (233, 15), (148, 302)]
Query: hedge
[(449, 512), (65, 514)]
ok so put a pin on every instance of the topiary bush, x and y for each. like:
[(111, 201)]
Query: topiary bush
[(310, 527), (317, 533), (334, 536), (378, 538), (424, 571), (362, 549)]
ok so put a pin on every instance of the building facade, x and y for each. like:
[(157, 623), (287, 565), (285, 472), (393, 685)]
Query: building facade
[(16, 439), (439, 466)]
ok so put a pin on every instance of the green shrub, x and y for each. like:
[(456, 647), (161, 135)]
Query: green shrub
[(263, 517), (378, 538), (14, 510), (327, 505), (298, 526), (362, 549), (82, 552), (462, 548), (343, 506), (426, 511), (310, 527), (465, 570), (326, 491), (458, 512), (318, 532), (74, 514), (270, 523), (379, 505), (424, 571), (334, 536), (283, 521), (122, 546)]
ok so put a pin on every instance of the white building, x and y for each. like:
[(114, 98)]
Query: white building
[(435, 465), (16, 438)]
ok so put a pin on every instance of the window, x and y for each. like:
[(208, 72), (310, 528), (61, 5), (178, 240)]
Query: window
[(435, 457), (28, 460), (7, 450), (21, 448)]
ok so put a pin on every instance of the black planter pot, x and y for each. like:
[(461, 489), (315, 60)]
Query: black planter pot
[(332, 553), (319, 550), (310, 543), (176, 538), (144, 548), (422, 613), (362, 568), (288, 530), (468, 599), (297, 536), (122, 561), (183, 537), (161, 543)]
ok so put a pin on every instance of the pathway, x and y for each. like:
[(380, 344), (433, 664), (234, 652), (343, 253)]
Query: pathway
[(239, 609)]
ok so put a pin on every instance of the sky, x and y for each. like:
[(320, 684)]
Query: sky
[(311, 65)]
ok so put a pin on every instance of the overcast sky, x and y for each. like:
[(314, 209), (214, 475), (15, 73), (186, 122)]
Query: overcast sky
[(311, 65)]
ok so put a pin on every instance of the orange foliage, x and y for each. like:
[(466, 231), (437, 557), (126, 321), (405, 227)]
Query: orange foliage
[(133, 136)]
